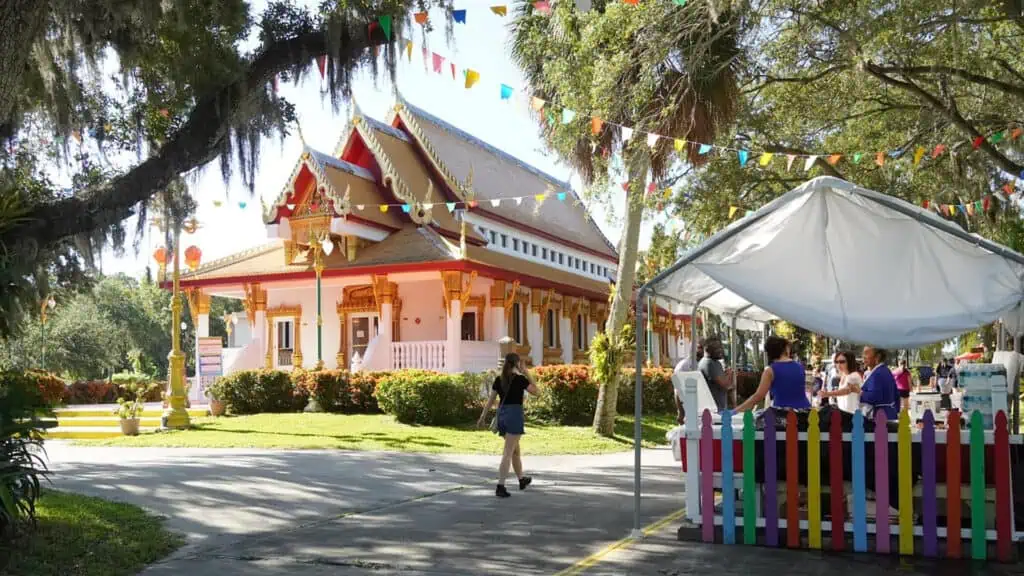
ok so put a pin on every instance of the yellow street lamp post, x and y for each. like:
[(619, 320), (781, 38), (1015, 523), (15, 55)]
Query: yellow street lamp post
[(176, 416)]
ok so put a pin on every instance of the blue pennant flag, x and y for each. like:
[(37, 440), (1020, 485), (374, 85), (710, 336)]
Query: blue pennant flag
[(459, 16), (406, 208), (241, 205), (561, 196), (451, 206), (743, 157), (506, 91), (704, 149)]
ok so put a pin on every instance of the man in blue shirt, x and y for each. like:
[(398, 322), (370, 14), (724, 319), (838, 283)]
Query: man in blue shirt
[(879, 389)]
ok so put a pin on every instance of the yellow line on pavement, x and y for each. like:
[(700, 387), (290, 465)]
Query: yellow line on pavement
[(582, 565)]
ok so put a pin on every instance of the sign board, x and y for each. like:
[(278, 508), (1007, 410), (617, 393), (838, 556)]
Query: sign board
[(208, 364)]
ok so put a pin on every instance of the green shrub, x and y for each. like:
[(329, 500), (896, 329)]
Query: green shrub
[(21, 464), (429, 398), (128, 384), (568, 395), (362, 392), (659, 397), (256, 391), (328, 388)]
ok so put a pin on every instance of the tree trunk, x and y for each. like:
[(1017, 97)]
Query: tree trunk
[(608, 395), (20, 22)]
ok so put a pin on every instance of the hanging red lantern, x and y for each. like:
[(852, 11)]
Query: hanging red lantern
[(192, 257), (160, 255)]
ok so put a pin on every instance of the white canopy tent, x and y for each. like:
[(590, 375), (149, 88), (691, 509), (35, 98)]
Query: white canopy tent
[(849, 263)]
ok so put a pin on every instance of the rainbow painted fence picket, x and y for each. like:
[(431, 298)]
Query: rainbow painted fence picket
[(966, 468)]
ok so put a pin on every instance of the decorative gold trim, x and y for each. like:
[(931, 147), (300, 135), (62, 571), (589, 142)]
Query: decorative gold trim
[(498, 294), (462, 190), (342, 204), (388, 172), (283, 311), (255, 301)]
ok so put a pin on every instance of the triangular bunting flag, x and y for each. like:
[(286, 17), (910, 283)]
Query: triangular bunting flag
[(748, 214), (732, 211), (428, 206), (360, 206), (406, 208), (561, 196), (633, 2), (536, 103), (679, 145), (472, 77), (450, 206), (519, 201), (880, 159), (506, 92), (1016, 133), (811, 160), (652, 140), (290, 206), (542, 6), (496, 202), (765, 159), (539, 197), (680, 2), (500, 10), (473, 204), (595, 125), (420, 17), (625, 186), (857, 157), (627, 133), (1008, 188), (789, 161), (997, 137), (985, 203), (938, 150), (918, 154), (459, 16), (976, 143), (242, 205), (385, 25), (321, 64), (833, 159), (970, 209), (408, 49), (742, 154), (551, 117), (438, 61), (453, 70), (651, 188), (704, 149), (568, 115), (217, 203), (383, 207)]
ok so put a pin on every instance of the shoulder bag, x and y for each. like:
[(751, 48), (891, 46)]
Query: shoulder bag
[(501, 402)]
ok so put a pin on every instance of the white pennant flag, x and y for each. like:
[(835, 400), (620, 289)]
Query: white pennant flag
[(496, 202), (519, 201), (810, 163), (627, 133), (428, 206), (360, 206), (652, 140)]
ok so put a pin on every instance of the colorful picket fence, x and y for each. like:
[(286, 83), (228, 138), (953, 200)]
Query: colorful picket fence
[(716, 448)]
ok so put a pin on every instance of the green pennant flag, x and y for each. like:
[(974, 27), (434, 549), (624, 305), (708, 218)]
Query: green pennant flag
[(681, 2), (385, 25), (997, 137), (856, 158)]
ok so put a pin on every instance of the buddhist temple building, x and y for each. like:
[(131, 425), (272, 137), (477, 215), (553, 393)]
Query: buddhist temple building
[(416, 245)]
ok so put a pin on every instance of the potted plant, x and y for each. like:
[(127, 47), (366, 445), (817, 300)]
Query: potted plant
[(217, 406), (129, 409)]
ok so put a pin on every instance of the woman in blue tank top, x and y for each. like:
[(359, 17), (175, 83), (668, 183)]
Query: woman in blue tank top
[(783, 378)]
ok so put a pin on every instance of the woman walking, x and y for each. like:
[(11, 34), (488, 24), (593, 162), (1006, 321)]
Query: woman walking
[(510, 387)]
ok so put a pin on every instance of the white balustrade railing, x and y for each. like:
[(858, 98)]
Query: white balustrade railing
[(424, 355)]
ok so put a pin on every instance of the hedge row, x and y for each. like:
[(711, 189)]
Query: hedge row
[(55, 392), (568, 394)]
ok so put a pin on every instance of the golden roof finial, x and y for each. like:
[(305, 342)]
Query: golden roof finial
[(468, 184)]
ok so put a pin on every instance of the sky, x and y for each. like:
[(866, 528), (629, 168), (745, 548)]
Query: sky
[(482, 44)]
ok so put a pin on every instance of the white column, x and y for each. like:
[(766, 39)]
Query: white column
[(498, 327), (384, 337), (568, 344), (536, 334), (202, 331), (693, 416), (453, 337), (259, 336), (591, 332)]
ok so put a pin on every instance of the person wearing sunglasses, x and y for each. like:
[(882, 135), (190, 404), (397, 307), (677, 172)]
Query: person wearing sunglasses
[(847, 395)]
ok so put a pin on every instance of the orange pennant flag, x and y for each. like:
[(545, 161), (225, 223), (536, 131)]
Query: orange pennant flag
[(421, 17), (1008, 188), (536, 103), (633, 2), (833, 159), (970, 209), (880, 158), (500, 10), (1016, 133), (938, 150), (595, 125)]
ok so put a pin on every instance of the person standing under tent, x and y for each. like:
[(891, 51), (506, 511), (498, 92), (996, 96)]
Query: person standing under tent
[(879, 391), (686, 364), (784, 378), (719, 379), (847, 394)]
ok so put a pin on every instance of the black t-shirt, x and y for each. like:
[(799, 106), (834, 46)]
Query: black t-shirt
[(516, 387)]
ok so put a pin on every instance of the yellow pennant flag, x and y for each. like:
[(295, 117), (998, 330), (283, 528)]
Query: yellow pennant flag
[(766, 159), (539, 198), (679, 144), (918, 154), (383, 207), (408, 49), (472, 77), (732, 211), (500, 10)]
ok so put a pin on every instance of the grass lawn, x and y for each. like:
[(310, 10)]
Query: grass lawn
[(382, 432), (85, 536)]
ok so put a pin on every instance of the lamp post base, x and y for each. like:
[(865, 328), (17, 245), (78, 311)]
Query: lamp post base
[(176, 416), (175, 419)]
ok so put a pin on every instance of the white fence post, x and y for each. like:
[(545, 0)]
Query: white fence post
[(690, 405)]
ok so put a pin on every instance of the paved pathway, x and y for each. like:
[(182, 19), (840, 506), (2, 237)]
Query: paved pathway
[(269, 513)]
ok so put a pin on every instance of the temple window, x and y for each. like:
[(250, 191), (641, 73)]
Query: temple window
[(516, 330), (581, 332), (551, 333), (469, 326), (494, 237), (544, 253), (534, 250), (515, 245), (285, 334), (504, 240)]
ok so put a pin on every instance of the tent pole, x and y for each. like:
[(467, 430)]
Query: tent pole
[(638, 387)]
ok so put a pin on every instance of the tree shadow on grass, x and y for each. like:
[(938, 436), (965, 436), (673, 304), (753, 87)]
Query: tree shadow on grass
[(380, 437)]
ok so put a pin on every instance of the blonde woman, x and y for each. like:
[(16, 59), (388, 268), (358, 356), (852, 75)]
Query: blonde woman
[(510, 387)]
